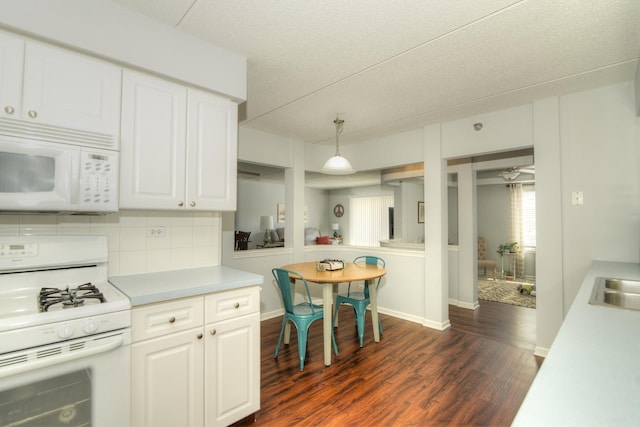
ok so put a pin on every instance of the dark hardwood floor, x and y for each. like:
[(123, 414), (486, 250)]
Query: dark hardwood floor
[(475, 373)]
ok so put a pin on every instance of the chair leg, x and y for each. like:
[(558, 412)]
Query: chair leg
[(284, 322), (360, 323), (302, 344), (495, 269)]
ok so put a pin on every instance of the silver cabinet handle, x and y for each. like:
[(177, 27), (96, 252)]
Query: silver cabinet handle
[(33, 114), (180, 203), (213, 331), (199, 336), (172, 319), (236, 305), (193, 204), (9, 109)]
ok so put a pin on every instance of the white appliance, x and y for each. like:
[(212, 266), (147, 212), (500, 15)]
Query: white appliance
[(64, 334), (47, 176)]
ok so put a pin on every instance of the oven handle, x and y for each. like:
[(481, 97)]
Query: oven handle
[(106, 344)]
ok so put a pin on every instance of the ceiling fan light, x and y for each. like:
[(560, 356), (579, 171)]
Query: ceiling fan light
[(510, 175), (337, 165)]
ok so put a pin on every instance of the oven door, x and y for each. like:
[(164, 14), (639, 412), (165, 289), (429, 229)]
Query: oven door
[(90, 389)]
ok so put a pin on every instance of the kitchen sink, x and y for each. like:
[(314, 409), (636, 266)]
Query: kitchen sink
[(632, 286), (620, 293)]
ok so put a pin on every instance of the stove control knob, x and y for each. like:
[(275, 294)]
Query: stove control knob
[(65, 331), (90, 326)]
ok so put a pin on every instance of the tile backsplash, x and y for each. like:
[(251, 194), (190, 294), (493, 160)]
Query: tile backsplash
[(139, 241)]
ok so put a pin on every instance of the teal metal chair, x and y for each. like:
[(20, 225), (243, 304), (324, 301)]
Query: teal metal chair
[(359, 300), (301, 315)]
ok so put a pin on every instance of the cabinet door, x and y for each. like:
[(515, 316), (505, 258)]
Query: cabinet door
[(211, 152), (152, 156), (66, 89), (232, 370), (11, 60), (167, 380)]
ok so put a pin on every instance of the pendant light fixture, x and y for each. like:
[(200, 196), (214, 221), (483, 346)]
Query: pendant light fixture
[(338, 165)]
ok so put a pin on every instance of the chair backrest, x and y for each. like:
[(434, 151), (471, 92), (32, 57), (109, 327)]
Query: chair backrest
[(282, 278), (482, 248), (242, 240), (371, 260)]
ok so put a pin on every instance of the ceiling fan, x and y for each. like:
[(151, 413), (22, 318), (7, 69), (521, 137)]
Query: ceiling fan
[(512, 173)]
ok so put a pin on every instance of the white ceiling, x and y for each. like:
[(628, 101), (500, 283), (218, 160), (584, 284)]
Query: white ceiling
[(387, 66)]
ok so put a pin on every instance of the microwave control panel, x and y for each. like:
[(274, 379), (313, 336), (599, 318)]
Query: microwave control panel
[(99, 179)]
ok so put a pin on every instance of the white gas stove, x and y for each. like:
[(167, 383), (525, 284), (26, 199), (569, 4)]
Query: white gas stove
[(61, 318)]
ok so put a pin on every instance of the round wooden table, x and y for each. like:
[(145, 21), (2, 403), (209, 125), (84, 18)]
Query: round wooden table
[(329, 280)]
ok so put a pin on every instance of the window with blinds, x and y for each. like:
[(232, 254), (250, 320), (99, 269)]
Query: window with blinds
[(528, 215), (369, 220)]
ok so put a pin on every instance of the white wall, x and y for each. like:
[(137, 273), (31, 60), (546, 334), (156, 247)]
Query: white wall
[(190, 240), (412, 193), (494, 217), (318, 209), (600, 136)]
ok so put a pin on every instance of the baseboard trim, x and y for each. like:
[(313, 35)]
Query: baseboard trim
[(271, 314), (541, 351)]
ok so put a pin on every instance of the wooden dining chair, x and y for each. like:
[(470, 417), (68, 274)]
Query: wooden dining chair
[(302, 315), (359, 300)]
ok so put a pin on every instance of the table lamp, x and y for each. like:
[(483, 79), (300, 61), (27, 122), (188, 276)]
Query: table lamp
[(335, 228), (266, 223)]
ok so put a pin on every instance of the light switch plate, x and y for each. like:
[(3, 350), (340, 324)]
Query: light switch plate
[(577, 198)]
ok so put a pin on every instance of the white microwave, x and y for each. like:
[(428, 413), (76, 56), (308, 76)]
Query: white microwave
[(41, 176)]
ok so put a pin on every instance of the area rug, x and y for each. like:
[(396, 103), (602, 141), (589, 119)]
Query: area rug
[(505, 292)]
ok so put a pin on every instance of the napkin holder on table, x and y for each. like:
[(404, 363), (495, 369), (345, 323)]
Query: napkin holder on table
[(332, 264)]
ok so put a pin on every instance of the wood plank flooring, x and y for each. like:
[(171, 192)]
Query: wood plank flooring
[(475, 373)]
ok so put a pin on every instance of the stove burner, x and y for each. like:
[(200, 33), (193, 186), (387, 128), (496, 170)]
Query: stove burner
[(68, 298)]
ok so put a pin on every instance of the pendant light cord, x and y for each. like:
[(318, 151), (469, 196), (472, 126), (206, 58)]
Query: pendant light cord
[(339, 124)]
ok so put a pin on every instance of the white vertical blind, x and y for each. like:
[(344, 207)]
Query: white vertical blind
[(369, 220)]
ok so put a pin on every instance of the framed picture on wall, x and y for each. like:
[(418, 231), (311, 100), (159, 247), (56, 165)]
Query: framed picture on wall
[(280, 212), (420, 212)]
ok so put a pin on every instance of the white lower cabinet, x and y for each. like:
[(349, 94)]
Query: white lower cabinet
[(232, 386), (168, 385), (196, 361)]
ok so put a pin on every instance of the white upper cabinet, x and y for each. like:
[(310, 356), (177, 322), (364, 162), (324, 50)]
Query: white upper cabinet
[(58, 87), (11, 60), (179, 147), (153, 143), (212, 156)]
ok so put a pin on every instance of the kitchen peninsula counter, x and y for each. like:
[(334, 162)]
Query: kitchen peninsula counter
[(591, 376), (147, 288)]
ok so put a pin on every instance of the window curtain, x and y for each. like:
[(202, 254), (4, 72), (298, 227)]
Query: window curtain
[(517, 234)]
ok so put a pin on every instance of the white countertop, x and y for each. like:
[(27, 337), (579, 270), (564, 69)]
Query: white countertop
[(147, 288), (591, 376)]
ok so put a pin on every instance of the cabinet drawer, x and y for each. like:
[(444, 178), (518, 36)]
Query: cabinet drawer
[(230, 304), (155, 320)]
